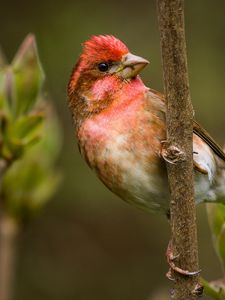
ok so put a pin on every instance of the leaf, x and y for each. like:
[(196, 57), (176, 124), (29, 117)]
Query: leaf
[(216, 218), (27, 186), (19, 134), (28, 74), (221, 245), (51, 135), (25, 128), (30, 179), (6, 90)]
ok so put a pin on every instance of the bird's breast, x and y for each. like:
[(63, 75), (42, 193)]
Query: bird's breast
[(124, 151)]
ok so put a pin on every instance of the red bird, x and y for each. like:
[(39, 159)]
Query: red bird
[(120, 125)]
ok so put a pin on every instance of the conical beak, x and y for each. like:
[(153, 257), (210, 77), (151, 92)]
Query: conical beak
[(132, 65)]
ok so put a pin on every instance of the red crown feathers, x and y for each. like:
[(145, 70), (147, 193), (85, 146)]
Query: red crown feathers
[(103, 48)]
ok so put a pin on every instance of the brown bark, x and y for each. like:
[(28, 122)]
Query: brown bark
[(178, 147)]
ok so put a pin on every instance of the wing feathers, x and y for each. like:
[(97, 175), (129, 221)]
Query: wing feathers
[(203, 134)]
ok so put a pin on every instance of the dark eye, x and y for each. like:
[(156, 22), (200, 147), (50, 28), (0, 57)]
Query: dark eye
[(103, 67)]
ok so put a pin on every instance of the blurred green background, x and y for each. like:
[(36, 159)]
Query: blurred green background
[(87, 244)]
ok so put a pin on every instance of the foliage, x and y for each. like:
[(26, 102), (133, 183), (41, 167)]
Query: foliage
[(216, 218), (214, 289), (29, 135)]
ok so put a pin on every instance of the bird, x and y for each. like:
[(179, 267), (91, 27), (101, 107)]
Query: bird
[(120, 126)]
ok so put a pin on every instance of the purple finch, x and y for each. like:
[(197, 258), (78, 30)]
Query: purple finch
[(120, 126)]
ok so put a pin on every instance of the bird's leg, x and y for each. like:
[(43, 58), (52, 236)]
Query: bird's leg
[(171, 153), (171, 261)]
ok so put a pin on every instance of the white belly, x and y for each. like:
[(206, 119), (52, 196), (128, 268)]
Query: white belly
[(132, 167), (145, 185)]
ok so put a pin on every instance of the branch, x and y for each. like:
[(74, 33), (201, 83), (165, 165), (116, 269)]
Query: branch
[(178, 148), (8, 237), (214, 289)]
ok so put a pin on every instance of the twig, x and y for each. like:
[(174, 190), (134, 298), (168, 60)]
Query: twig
[(8, 237), (178, 149), (214, 290)]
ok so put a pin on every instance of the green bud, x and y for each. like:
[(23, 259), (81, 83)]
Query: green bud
[(28, 76), (19, 134), (6, 91), (30, 178)]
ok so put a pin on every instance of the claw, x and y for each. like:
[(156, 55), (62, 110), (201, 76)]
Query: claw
[(171, 154), (169, 275), (198, 290), (171, 258)]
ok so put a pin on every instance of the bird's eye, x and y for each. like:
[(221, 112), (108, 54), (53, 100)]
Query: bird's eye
[(103, 67)]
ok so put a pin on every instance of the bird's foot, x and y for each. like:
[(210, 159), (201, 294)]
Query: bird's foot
[(171, 153), (171, 261)]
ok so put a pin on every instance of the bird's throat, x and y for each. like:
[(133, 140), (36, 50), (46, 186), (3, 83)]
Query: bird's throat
[(94, 96)]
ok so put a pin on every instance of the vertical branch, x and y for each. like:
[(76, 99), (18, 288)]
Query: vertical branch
[(8, 236), (8, 239), (178, 149)]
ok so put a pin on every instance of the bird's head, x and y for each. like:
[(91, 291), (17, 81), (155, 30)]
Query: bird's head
[(105, 55), (103, 66)]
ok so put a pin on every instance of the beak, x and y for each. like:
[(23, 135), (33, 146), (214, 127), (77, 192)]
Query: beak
[(131, 65)]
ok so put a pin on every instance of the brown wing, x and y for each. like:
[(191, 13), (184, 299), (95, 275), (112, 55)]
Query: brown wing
[(203, 134)]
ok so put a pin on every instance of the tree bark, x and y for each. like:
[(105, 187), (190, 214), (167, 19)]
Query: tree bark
[(178, 149)]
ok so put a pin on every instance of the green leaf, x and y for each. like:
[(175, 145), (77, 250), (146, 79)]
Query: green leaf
[(25, 128), (2, 91), (6, 90), (19, 134), (29, 76), (221, 245), (30, 179), (216, 218), (27, 186), (51, 135)]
